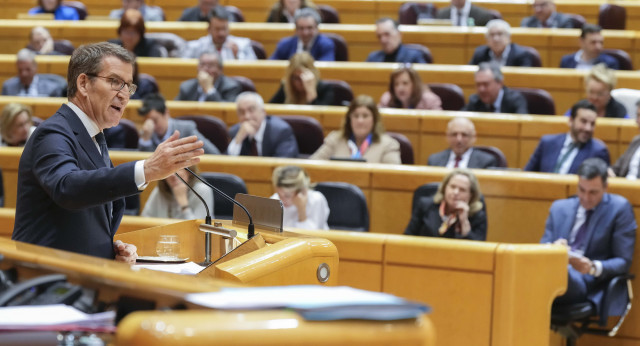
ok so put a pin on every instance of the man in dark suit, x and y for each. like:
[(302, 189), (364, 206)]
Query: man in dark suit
[(590, 53), (258, 134), (307, 39), (599, 231), (461, 135), (463, 13), (158, 126), (198, 13), (493, 96), (545, 16), (70, 196), (499, 47), (393, 50), (29, 82), (563, 153), (211, 84), (628, 165)]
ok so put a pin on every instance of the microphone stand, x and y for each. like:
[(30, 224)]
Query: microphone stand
[(250, 227), (207, 236)]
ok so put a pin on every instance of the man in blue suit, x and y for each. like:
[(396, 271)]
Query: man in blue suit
[(590, 53), (599, 230), (393, 50), (70, 196), (500, 49), (307, 39), (563, 153), (258, 134)]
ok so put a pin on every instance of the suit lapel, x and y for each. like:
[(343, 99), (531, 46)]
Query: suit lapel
[(556, 149), (266, 138), (581, 156), (596, 218), (86, 143), (568, 219)]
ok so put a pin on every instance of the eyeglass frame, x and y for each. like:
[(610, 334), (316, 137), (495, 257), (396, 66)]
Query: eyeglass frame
[(132, 87)]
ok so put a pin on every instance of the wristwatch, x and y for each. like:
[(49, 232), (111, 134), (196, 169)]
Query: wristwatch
[(592, 270)]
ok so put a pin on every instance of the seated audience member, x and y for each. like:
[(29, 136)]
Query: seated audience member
[(590, 53), (307, 39), (131, 36), (455, 211), (59, 11), (284, 11), (218, 40), (303, 207), (302, 85), (599, 231), (492, 95), (145, 87), (564, 152), (598, 85), (407, 91), (392, 49), (257, 134), (16, 125), (173, 199), (499, 47), (41, 42), (463, 13), (461, 135), (210, 84), (158, 126), (199, 13), (361, 137), (149, 13), (545, 16), (29, 82), (629, 163)]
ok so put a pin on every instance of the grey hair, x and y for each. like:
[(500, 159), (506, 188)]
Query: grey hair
[(494, 68), (25, 54), (307, 12), (255, 97), (498, 24), (214, 53), (88, 58), (40, 29)]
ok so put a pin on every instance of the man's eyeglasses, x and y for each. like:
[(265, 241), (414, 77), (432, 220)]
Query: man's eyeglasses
[(117, 84)]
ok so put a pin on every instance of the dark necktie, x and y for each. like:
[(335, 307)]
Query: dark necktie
[(581, 234), (457, 162), (254, 147), (103, 148), (564, 158), (459, 23), (492, 108)]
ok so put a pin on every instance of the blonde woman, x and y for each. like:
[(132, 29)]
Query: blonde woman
[(16, 125), (301, 84), (173, 199), (303, 207)]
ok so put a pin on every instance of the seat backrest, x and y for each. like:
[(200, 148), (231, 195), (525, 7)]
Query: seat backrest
[(426, 53), (328, 14), (425, 190), (406, 149), (211, 127), (341, 49), (342, 93), (124, 135), (347, 206), (624, 60), (612, 17), (577, 21), (495, 152), (410, 12), (60, 81), (629, 98), (63, 46), (451, 95), (258, 49), (539, 101), (236, 14), (308, 132), (229, 184), (79, 6), (495, 14), (170, 41), (151, 79), (245, 83), (535, 56)]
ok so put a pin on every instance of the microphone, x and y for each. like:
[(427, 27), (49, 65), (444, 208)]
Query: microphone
[(206, 207), (250, 227)]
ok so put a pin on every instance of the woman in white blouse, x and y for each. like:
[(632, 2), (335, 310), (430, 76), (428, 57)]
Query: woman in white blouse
[(303, 207)]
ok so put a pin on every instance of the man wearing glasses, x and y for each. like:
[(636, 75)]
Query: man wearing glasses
[(545, 16), (70, 196)]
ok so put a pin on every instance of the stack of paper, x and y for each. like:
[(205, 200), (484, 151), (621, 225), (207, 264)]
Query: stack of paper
[(53, 317)]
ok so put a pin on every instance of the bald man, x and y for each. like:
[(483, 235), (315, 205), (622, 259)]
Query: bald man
[(461, 135)]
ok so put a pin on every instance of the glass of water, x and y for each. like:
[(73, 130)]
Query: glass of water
[(168, 246)]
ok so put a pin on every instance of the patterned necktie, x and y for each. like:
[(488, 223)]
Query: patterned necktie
[(103, 148), (564, 158), (581, 234)]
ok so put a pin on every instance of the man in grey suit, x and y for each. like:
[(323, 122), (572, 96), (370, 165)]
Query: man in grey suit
[(461, 135), (198, 13), (159, 125), (628, 165), (211, 84), (29, 82), (545, 16), (462, 13)]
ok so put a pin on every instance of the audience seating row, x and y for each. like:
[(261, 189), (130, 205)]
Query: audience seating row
[(452, 45)]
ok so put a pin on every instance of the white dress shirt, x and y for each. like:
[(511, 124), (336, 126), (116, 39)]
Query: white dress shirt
[(234, 148), (464, 160), (566, 165), (317, 212)]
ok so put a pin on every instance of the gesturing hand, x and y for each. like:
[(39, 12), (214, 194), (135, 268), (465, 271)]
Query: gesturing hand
[(172, 155)]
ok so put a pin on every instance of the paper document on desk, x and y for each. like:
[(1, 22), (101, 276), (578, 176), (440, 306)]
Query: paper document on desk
[(318, 303), (26, 316), (188, 268)]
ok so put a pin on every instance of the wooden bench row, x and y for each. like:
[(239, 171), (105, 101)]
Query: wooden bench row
[(352, 11), (451, 45)]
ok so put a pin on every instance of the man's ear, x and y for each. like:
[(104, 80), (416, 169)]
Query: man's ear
[(82, 83)]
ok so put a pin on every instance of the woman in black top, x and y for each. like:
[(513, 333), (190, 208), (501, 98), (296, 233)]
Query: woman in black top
[(301, 84), (131, 36)]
